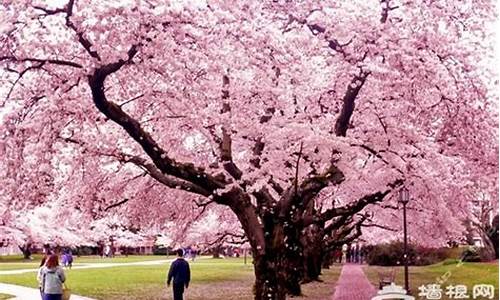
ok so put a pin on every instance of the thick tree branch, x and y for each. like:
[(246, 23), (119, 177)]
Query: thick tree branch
[(264, 198), (348, 103), (309, 189), (257, 150), (276, 186), (337, 223), (345, 235), (225, 143), (169, 181), (227, 156), (165, 164)]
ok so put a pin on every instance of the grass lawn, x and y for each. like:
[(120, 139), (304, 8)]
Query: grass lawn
[(15, 262), (468, 274), (17, 266), (212, 279), (5, 296)]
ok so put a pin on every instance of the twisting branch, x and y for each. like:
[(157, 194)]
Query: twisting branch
[(379, 226), (336, 223), (386, 8), (203, 205), (116, 204), (352, 208), (42, 61), (223, 237), (378, 155), (83, 40), (348, 101), (68, 10)]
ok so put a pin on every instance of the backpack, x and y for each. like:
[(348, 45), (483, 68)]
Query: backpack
[(51, 278)]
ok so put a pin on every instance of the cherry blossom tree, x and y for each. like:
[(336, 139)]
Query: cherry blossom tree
[(290, 114)]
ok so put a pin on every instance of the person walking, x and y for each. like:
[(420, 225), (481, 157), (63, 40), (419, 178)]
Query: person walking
[(52, 279), (69, 259), (180, 273), (64, 260), (39, 275)]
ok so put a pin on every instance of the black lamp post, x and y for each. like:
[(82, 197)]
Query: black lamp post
[(404, 198)]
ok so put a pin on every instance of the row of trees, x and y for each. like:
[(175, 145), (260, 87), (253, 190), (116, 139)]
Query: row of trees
[(301, 119)]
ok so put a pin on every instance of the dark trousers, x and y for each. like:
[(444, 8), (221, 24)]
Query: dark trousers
[(178, 291)]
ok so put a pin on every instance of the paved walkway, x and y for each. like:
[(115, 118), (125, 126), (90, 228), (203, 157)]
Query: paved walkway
[(26, 293), (353, 284)]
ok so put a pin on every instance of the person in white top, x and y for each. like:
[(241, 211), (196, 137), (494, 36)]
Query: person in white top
[(53, 278), (39, 274)]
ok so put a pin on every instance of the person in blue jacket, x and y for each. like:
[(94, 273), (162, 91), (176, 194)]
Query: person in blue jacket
[(180, 272)]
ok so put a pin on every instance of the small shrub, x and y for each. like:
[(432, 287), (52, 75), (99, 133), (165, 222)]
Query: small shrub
[(476, 254), (392, 254), (471, 254)]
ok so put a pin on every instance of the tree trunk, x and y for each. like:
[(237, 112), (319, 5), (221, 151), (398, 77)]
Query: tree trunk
[(291, 263), (274, 278), (216, 252), (276, 248), (26, 250), (312, 266), (329, 257), (313, 253), (489, 249), (267, 279), (492, 234), (279, 269)]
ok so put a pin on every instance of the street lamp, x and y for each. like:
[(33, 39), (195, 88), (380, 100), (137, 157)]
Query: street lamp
[(404, 198)]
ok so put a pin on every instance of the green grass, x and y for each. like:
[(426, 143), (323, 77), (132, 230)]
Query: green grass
[(18, 266), (212, 279), (14, 262), (468, 274), (5, 296)]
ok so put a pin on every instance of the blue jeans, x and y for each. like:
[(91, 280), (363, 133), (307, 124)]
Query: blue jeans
[(52, 297)]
